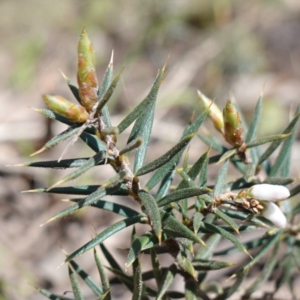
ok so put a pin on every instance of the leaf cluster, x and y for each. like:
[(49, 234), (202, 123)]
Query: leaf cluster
[(184, 219)]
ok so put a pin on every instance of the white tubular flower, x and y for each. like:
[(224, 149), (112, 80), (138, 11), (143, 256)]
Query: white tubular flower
[(268, 192), (273, 213)]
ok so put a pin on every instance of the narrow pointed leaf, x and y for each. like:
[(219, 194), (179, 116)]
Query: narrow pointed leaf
[(124, 278), (255, 121), (284, 154), (86, 201), (287, 273), (139, 244), (82, 190), (165, 184), (103, 276), (151, 97), (231, 290), (87, 279), (152, 211), (127, 280), (109, 257), (203, 174), (211, 243), (227, 155), (220, 181), (145, 133), (71, 190), (195, 169), (197, 220), (264, 249), (57, 139), (174, 228), (265, 273), (227, 235), (104, 99), (104, 87), (164, 158), (192, 184), (109, 231), (161, 172), (97, 159), (51, 296), (277, 138), (248, 245), (167, 281), (75, 285), (137, 283), (186, 265), (212, 142), (276, 143), (54, 164), (73, 88), (182, 194), (227, 220), (209, 265), (239, 215), (112, 207)]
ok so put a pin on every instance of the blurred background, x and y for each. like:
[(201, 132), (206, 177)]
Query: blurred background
[(226, 48)]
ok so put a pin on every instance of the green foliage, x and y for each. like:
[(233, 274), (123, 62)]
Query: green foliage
[(184, 217)]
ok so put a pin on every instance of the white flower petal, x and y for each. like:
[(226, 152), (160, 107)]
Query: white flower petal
[(273, 213), (268, 192)]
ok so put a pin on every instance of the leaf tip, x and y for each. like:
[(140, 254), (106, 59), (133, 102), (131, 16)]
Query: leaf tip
[(38, 152)]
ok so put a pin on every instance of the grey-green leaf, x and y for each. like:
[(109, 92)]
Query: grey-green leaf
[(141, 243), (164, 158), (75, 285), (182, 194), (104, 99), (255, 121), (220, 181), (109, 231), (144, 132), (138, 283), (209, 265), (227, 235), (167, 281), (151, 97), (174, 228), (227, 219), (152, 211), (112, 207), (97, 159), (265, 273), (58, 139), (276, 143), (86, 278), (54, 164), (103, 276), (51, 296)]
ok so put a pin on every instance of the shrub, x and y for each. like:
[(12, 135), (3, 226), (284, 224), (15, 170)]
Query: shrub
[(188, 220)]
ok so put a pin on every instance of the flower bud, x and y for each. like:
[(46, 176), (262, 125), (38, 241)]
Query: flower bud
[(234, 132), (268, 192), (273, 213), (214, 112), (65, 108), (86, 75)]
